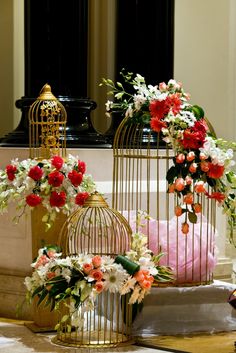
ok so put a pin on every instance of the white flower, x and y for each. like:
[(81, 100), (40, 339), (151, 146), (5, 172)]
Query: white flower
[(114, 279), (128, 285)]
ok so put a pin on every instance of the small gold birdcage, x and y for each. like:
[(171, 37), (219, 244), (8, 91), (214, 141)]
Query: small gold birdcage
[(99, 230), (141, 162), (47, 126)]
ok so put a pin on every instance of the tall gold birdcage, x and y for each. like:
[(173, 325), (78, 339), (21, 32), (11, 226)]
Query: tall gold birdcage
[(99, 230), (47, 126), (140, 164)]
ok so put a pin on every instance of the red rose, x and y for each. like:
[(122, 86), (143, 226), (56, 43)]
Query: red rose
[(75, 177), (57, 162), (55, 178), (215, 171), (158, 109), (81, 167), (11, 171), (57, 199), (33, 200), (35, 173), (81, 197)]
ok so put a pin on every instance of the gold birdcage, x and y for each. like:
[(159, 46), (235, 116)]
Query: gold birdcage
[(47, 126), (99, 230), (141, 161)]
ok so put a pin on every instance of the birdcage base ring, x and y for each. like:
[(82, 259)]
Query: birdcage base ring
[(93, 339)]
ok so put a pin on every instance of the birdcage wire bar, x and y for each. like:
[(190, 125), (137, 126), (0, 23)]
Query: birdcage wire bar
[(140, 164), (99, 230)]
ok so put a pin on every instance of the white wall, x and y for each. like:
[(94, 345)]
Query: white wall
[(205, 33)]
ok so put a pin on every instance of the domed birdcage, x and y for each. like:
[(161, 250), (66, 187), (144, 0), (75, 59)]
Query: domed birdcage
[(47, 126), (141, 161), (99, 230)]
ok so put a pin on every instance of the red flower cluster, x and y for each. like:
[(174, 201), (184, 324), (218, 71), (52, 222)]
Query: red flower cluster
[(57, 162), (75, 177), (33, 200), (158, 110), (81, 198), (194, 138), (11, 171)]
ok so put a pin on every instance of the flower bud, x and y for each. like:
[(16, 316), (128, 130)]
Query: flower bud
[(185, 228)]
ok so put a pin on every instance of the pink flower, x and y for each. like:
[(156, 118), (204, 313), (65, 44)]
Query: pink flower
[(57, 162), (179, 184), (145, 284), (162, 86), (35, 173)]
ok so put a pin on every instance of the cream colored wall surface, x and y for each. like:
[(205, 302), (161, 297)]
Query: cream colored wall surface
[(6, 66), (204, 51)]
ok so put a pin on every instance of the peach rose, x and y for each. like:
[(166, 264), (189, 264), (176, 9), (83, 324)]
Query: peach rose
[(190, 156), (193, 167), (197, 208), (200, 187), (178, 211), (96, 260), (204, 166), (96, 274), (179, 184), (188, 199), (87, 268), (180, 158), (99, 286)]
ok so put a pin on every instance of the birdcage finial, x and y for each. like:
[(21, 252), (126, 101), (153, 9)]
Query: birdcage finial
[(47, 126)]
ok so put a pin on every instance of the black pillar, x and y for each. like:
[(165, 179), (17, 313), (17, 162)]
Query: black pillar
[(56, 43)]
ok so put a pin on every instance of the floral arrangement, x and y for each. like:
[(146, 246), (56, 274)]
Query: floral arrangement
[(79, 279), (202, 164), (57, 184)]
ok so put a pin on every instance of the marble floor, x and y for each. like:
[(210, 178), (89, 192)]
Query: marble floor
[(15, 337)]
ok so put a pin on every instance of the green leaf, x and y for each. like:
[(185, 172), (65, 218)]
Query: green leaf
[(42, 296), (198, 112), (192, 217), (171, 174)]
